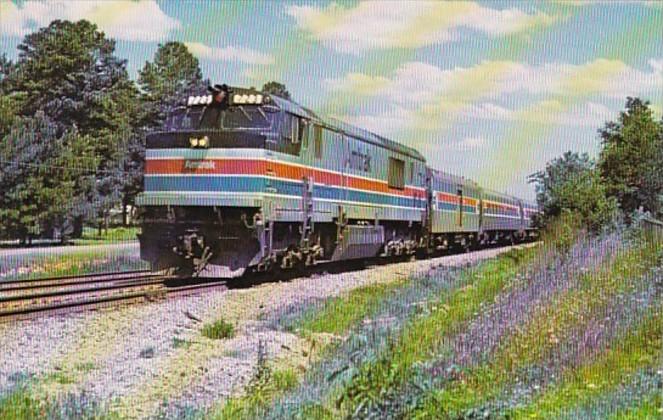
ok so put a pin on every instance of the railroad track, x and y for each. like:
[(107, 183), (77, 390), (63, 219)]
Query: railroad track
[(25, 299)]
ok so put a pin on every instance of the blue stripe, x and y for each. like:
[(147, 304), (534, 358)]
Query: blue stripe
[(249, 184), (442, 205)]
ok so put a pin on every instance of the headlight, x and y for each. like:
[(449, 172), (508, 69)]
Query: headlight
[(258, 99), (204, 142), (193, 141)]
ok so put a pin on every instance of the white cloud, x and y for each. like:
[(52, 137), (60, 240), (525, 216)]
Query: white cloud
[(416, 84), (386, 123), (120, 19), (585, 114), (584, 3), (469, 144), (657, 65), (230, 53), (406, 24), (420, 98)]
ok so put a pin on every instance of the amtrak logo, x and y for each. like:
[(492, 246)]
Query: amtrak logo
[(199, 164)]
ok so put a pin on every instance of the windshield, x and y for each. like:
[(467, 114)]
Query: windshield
[(201, 118)]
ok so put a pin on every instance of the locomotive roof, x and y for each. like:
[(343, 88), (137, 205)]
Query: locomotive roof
[(351, 130)]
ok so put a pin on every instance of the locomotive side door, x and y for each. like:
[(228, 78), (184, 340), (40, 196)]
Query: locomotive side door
[(460, 207)]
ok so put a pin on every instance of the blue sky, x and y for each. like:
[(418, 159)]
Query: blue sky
[(489, 90)]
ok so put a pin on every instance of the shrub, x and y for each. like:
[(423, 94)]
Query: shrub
[(218, 330), (571, 184)]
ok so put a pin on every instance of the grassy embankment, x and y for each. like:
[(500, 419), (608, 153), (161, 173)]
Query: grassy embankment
[(38, 263), (78, 262), (539, 333), (109, 236), (534, 333), (21, 405), (377, 307)]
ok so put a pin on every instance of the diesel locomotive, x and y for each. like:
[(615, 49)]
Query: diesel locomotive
[(240, 180)]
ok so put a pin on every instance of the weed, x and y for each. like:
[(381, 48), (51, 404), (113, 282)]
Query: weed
[(147, 353), (84, 367), (337, 315), (59, 377), (20, 404), (218, 330), (179, 343)]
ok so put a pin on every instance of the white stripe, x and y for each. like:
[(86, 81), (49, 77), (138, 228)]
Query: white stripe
[(286, 180), (264, 159), (502, 204), (164, 154), (260, 195), (501, 216)]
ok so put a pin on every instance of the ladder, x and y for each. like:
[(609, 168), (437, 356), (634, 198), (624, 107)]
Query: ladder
[(307, 213)]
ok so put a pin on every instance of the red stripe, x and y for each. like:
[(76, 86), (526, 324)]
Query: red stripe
[(455, 199), (270, 168)]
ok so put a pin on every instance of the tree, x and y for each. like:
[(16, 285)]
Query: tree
[(69, 72), (6, 67), (173, 73), (9, 103), (631, 161), (571, 184), (276, 88), (40, 174)]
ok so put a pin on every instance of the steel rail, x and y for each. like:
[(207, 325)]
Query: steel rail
[(10, 284), (72, 283), (151, 280)]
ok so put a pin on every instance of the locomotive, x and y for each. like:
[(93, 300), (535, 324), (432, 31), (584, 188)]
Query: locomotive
[(241, 180)]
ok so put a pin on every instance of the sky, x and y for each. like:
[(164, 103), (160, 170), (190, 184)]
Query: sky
[(488, 90)]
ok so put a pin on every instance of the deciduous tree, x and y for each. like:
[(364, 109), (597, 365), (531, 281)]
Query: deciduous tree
[(166, 80), (276, 88), (631, 161), (571, 184), (41, 176)]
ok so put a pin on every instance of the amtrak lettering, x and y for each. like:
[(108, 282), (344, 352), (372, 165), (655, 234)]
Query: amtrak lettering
[(199, 164), (360, 161)]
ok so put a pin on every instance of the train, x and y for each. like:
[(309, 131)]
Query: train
[(239, 180)]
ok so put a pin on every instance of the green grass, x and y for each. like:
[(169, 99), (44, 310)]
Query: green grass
[(262, 390), (21, 404), (218, 330), (649, 409), (424, 336), (642, 347), (337, 315), (59, 377), (180, 343), (533, 342), (573, 309), (80, 262), (117, 234)]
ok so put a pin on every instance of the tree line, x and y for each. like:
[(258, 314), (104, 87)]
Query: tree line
[(73, 125), (624, 182)]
